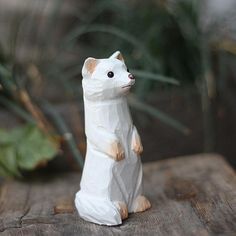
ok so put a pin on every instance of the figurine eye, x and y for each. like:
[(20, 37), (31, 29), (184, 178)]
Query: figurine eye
[(110, 74), (127, 70)]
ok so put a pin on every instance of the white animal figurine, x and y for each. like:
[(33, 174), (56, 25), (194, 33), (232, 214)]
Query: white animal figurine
[(111, 184)]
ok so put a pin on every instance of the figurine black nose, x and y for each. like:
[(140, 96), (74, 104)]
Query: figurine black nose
[(131, 76)]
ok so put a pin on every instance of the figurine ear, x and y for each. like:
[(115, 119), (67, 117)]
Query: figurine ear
[(89, 66), (117, 55)]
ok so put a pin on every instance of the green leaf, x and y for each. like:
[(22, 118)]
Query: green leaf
[(3, 171), (4, 137), (35, 147), (13, 136), (24, 148), (8, 160)]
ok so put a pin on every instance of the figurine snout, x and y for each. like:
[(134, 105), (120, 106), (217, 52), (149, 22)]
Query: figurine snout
[(131, 76)]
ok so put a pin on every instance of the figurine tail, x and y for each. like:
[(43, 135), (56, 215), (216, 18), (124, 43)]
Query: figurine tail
[(97, 210)]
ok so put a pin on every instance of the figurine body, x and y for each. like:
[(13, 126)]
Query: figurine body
[(111, 185)]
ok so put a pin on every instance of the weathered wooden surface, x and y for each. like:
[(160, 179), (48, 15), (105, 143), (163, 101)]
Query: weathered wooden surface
[(193, 195)]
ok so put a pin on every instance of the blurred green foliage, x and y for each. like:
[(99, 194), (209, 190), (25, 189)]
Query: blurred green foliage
[(155, 36), (162, 43), (24, 148)]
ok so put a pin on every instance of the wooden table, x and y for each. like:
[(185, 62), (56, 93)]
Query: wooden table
[(193, 195)]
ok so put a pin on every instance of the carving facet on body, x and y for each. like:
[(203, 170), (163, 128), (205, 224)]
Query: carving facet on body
[(111, 184)]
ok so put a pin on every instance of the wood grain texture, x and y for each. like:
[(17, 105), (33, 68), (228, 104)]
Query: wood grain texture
[(193, 195)]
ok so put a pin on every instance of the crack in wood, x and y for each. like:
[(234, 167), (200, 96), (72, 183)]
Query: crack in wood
[(22, 217)]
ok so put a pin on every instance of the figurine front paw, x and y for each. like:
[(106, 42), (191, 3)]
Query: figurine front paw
[(137, 146), (116, 151), (138, 149)]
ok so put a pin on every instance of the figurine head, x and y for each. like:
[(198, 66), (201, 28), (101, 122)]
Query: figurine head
[(105, 79)]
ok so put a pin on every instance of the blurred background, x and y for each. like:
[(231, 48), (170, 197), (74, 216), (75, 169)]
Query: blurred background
[(182, 53)]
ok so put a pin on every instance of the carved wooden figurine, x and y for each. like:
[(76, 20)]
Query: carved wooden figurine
[(111, 185)]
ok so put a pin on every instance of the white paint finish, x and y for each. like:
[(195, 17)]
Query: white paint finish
[(105, 181)]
